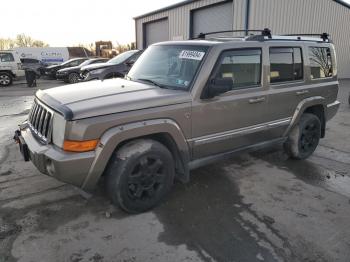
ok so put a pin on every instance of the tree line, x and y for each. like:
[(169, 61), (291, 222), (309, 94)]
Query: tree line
[(21, 40)]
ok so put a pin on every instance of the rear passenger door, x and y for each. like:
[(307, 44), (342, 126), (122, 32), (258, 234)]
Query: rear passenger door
[(287, 85)]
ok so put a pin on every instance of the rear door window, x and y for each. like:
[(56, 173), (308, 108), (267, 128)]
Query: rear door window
[(286, 64), (320, 62)]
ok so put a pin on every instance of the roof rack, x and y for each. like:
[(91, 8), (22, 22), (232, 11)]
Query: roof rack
[(324, 36), (264, 32), (265, 35)]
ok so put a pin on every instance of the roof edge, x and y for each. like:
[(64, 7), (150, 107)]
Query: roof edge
[(166, 8)]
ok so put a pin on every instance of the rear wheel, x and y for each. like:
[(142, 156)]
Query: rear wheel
[(304, 137), (73, 78), (5, 79), (139, 175)]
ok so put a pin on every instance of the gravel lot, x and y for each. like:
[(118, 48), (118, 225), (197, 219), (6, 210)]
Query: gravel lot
[(256, 207)]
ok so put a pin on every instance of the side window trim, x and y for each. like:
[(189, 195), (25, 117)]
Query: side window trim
[(292, 48), (216, 67)]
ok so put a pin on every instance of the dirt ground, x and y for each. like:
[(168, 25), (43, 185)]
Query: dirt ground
[(256, 207)]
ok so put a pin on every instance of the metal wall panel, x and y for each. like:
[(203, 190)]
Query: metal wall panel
[(311, 16), (212, 18), (157, 31), (179, 21)]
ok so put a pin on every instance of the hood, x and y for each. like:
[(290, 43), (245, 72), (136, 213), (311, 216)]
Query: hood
[(89, 99), (95, 66), (52, 66)]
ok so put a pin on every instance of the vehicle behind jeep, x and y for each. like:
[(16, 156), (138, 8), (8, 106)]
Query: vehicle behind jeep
[(10, 68), (118, 66), (184, 104)]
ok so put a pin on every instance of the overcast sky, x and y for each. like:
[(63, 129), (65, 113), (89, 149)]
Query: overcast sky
[(69, 22)]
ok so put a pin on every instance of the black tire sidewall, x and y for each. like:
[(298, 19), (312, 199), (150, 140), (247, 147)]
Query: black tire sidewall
[(9, 75), (122, 166), (292, 146)]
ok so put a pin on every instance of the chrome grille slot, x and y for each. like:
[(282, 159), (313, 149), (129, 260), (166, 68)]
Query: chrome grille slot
[(39, 120)]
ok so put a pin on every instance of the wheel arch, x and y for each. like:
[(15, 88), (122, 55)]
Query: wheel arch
[(313, 105), (8, 72), (165, 131)]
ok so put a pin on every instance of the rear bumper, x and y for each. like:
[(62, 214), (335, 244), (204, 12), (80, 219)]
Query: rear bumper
[(332, 109), (67, 167)]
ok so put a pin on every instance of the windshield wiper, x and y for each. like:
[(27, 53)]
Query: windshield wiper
[(151, 81)]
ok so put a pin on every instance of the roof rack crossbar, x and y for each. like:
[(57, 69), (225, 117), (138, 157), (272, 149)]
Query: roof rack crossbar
[(264, 32)]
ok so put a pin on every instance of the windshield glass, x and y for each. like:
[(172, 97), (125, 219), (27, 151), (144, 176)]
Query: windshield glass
[(122, 57), (68, 61), (172, 66), (87, 62)]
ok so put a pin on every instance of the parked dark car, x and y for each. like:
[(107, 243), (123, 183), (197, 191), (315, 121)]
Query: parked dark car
[(51, 70), (72, 74), (34, 65), (118, 66)]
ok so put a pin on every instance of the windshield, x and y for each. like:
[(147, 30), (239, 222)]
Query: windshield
[(68, 61), (122, 57), (87, 62), (172, 66)]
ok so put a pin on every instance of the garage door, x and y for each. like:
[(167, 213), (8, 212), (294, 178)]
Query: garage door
[(157, 31), (212, 18)]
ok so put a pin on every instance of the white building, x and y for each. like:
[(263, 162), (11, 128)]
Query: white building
[(187, 19)]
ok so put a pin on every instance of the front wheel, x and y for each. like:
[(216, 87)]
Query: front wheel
[(5, 79), (73, 78), (304, 137), (139, 175)]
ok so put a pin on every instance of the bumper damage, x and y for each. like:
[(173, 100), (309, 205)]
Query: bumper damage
[(71, 168)]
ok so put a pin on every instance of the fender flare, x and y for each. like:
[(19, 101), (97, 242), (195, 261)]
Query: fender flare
[(116, 135), (311, 101)]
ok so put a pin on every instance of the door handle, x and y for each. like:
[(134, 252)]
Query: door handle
[(256, 100), (303, 92)]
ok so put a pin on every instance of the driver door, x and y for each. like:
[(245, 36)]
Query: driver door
[(232, 119)]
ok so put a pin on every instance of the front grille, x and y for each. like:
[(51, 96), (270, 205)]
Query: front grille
[(39, 120)]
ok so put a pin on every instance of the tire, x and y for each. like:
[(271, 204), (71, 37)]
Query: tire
[(304, 137), (73, 78), (5, 79), (139, 175)]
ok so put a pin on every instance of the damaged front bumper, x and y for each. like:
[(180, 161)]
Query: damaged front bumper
[(51, 160)]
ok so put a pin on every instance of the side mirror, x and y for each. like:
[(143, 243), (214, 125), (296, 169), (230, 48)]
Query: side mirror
[(218, 86)]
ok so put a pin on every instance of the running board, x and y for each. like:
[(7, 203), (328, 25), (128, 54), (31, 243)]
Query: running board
[(227, 155)]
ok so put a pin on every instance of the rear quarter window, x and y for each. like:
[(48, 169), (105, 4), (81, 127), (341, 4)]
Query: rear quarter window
[(320, 62)]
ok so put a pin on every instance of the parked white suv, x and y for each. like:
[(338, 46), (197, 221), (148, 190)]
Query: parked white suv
[(10, 67)]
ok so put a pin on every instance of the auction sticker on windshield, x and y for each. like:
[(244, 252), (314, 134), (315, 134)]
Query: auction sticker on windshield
[(191, 54)]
